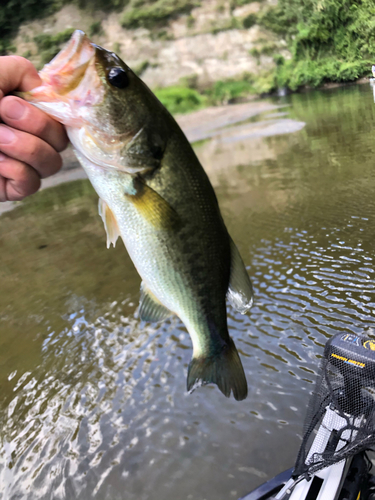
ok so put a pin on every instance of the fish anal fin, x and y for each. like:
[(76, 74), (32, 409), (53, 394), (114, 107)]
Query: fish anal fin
[(223, 369), (150, 308), (110, 223), (240, 291), (153, 207)]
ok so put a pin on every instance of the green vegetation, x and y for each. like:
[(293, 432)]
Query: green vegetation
[(267, 49), (95, 28), (230, 24), (330, 40), (141, 68), (117, 48), (239, 3), (156, 13), (27, 54), (180, 99), (183, 98), (161, 35), (94, 5), (249, 21), (49, 45), (15, 12), (223, 92)]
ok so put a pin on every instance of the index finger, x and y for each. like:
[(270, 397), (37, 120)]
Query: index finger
[(17, 73)]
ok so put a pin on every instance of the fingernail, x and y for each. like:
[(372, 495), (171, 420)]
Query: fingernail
[(2, 157), (16, 110), (6, 135)]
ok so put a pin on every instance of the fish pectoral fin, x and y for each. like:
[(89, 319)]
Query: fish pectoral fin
[(240, 292), (150, 309), (153, 207), (110, 223)]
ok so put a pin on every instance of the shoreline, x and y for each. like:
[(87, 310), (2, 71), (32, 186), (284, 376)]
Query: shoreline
[(197, 125)]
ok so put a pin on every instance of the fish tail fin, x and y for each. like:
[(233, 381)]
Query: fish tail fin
[(223, 369)]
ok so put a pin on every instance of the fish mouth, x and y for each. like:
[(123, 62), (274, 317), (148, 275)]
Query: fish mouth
[(66, 70), (69, 82)]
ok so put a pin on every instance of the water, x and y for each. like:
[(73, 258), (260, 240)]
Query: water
[(93, 402)]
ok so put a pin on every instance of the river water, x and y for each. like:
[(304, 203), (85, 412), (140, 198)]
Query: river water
[(93, 402)]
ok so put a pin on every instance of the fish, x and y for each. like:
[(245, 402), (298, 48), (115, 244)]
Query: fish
[(156, 196)]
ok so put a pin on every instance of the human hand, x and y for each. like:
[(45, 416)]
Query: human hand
[(30, 141)]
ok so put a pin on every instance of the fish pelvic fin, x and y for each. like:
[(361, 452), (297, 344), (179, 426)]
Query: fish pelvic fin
[(110, 223), (240, 292), (223, 369)]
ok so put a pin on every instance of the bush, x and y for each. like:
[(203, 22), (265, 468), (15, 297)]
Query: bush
[(249, 21), (155, 14), (15, 12), (227, 91), (50, 45), (95, 28), (180, 99), (330, 40), (106, 5)]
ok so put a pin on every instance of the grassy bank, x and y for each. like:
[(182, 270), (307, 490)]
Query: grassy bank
[(184, 98)]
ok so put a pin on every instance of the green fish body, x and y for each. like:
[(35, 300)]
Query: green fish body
[(154, 193)]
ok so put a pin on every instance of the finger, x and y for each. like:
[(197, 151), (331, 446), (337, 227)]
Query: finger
[(30, 149), (17, 73), (23, 116), (17, 180)]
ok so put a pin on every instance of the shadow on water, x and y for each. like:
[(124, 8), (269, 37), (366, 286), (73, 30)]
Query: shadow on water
[(93, 402)]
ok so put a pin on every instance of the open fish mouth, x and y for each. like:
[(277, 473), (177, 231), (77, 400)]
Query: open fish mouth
[(66, 70), (69, 82)]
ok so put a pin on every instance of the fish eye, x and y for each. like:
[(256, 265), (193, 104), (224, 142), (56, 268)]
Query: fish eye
[(118, 78)]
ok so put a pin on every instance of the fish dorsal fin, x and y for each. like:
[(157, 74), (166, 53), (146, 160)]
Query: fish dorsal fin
[(153, 207), (240, 291), (110, 223), (150, 309)]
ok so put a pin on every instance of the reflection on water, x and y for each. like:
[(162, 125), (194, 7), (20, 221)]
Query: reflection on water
[(93, 402)]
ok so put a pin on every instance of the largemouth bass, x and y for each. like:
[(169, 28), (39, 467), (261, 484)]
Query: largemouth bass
[(154, 193)]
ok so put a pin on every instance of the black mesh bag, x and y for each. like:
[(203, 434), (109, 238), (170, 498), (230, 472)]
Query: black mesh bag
[(342, 405)]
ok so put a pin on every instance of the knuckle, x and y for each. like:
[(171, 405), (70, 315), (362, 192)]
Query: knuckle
[(29, 185), (56, 164), (3, 195), (33, 187), (64, 141), (41, 126), (50, 164)]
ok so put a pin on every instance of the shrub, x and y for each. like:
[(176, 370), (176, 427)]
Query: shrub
[(49, 45), (330, 40), (249, 21), (155, 14), (226, 91), (106, 5), (95, 28), (180, 99), (15, 12)]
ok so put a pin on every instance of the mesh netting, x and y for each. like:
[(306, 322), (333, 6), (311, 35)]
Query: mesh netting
[(342, 407)]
